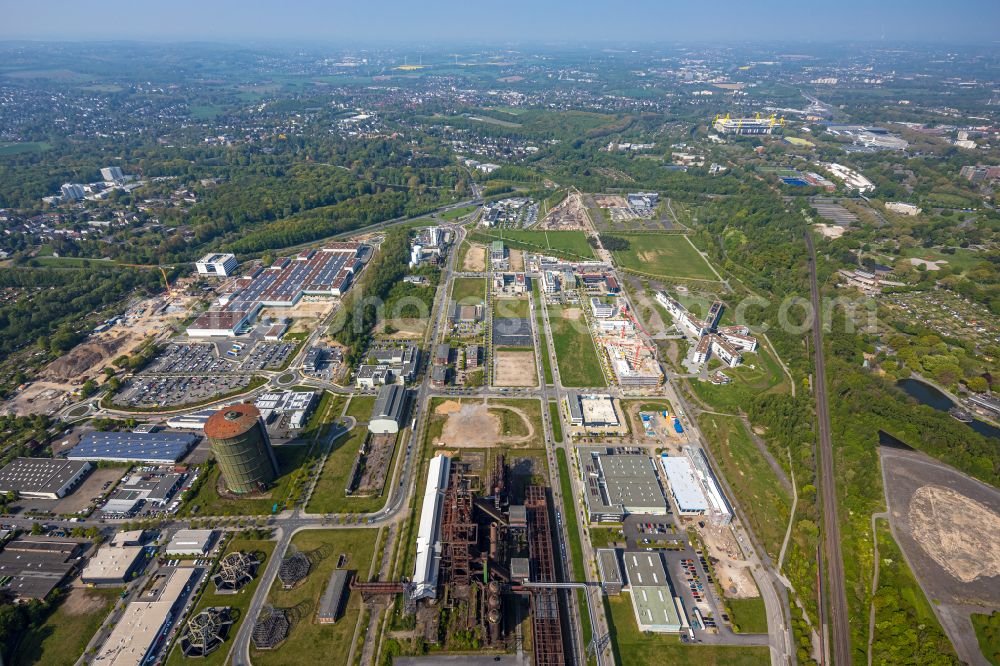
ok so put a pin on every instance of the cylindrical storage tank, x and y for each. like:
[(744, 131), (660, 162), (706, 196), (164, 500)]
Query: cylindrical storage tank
[(242, 448), (494, 587), (493, 616), (493, 601)]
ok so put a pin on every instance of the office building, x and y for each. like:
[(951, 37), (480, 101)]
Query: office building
[(44, 478), (112, 174), (600, 309), (610, 570), (242, 448), (216, 264), (745, 126), (72, 192)]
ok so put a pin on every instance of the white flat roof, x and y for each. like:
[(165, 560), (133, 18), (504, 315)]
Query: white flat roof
[(428, 549), (683, 483)]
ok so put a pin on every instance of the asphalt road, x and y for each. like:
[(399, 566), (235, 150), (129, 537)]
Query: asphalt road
[(835, 591)]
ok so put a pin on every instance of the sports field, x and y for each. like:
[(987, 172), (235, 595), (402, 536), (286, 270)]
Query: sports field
[(664, 255), (575, 353), (568, 244)]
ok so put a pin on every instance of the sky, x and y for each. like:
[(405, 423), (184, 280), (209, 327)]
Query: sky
[(509, 21)]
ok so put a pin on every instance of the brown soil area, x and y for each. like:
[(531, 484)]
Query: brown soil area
[(568, 214), (610, 201), (515, 369), (956, 531), (516, 260), (475, 259), (82, 601), (572, 314), (473, 426)]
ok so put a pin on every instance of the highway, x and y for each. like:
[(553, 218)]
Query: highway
[(835, 591)]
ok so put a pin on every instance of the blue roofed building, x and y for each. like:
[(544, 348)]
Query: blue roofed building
[(153, 447)]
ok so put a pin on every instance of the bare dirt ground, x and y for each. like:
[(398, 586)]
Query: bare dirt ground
[(573, 314), (305, 315), (82, 601), (568, 214), (610, 201), (946, 525), (957, 532), (471, 425), (516, 260), (735, 579), (475, 259), (39, 398), (514, 369), (406, 328)]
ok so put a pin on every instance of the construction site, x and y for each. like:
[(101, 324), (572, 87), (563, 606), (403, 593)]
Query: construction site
[(485, 554), (627, 347)]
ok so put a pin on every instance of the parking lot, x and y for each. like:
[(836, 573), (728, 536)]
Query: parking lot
[(220, 357), (266, 356), (174, 391), (688, 568)]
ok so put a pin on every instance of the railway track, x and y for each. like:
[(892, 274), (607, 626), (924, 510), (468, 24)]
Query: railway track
[(835, 592)]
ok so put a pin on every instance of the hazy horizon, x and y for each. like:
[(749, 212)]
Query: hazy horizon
[(451, 21)]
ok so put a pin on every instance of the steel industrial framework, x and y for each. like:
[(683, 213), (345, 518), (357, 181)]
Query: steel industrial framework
[(293, 569), (375, 589), (206, 631), (271, 629), (545, 623), (459, 533)]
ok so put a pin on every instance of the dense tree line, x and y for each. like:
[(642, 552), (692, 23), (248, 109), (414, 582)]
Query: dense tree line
[(614, 243), (361, 310)]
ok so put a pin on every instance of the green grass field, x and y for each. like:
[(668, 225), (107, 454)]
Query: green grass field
[(961, 261), (16, 147), (456, 213), (762, 498), (62, 638), (663, 255), (532, 409), (568, 244), (468, 291), (361, 407), (638, 649), (575, 551), (576, 355), (554, 417), (988, 634), (290, 458), (511, 307), (330, 643), (240, 601), (748, 615), (759, 373), (328, 495), (543, 339)]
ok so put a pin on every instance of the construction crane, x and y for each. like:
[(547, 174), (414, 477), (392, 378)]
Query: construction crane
[(162, 269)]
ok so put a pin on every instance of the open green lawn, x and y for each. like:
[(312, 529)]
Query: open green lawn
[(554, 417), (575, 551), (240, 601), (290, 459), (961, 261), (568, 244), (468, 291), (759, 373), (361, 407), (543, 339), (515, 423), (62, 638), (748, 615), (988, 633), (511, 307), (576, 355), (456, 213), (663, 255), (15, 147), (762, 498), (329, 495), (606, 537), (638, 649), (307, 640)]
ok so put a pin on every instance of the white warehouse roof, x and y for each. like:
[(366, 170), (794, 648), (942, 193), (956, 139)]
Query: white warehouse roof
[(684, 485)]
